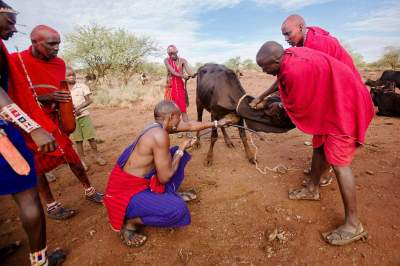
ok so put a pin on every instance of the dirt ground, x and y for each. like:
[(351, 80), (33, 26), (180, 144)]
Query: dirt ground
[(238, 208)]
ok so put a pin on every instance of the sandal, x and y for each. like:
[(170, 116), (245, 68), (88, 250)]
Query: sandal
[(325, 181), (188, 195), (302, 194), (132, 238), (93, 195), (57, 257), (340, 237), (61, 213)]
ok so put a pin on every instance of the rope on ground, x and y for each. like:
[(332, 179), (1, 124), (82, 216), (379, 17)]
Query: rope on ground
[(280, 168)]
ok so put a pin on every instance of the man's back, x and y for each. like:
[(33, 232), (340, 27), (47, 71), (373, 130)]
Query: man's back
[(141, 160), (321, 40)]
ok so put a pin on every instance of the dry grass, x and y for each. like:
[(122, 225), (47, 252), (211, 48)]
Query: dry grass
[(112, 93)]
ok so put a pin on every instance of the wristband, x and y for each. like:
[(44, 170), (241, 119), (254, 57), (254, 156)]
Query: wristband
[(14, 114), (179, 153), (215, 123)]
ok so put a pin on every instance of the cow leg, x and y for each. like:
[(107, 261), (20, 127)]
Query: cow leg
[(249, 154), (200, 109), (228, 141), (214, 136)]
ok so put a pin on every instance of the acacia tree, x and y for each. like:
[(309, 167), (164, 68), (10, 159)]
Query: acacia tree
[(130, 53), (234, 63), (391, 57), (102, 51), (249, 64)]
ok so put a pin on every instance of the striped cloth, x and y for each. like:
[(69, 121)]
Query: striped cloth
[(162, 210)]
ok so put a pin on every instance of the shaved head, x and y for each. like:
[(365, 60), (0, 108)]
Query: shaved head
[(172, 49), (41, 32), (269, 51), (45, 42), (294, 30), (294, 19), (164, 109), (268, 57)]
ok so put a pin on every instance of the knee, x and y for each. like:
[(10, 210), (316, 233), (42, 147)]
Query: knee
[(32, 214), (181, 214)]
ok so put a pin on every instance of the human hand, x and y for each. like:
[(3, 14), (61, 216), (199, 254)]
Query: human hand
[(44, 140), (78, 112), (253, 104), (61, 96), (186, 144)]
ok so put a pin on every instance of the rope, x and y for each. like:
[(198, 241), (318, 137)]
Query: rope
[(239, 102), (280, 168)]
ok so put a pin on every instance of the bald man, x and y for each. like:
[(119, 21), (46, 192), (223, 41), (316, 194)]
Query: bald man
[(143, 187), (297, 34), (44, 71), (178, 70), (311, 86)]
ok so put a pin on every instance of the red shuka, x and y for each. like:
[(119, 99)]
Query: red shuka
[(177, 88), (320, 39), (121, 187), (49, 73), (321, 95)]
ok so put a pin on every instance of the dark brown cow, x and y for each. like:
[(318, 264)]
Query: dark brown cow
[(220, 92), (386, 99), (388, 77)]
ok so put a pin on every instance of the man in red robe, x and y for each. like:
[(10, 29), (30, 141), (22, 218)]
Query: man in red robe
[(298, 35), (175, 89), (322, 98), (44, 71)]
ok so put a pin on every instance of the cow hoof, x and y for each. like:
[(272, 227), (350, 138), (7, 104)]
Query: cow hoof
[(252, 160), (208, 162)]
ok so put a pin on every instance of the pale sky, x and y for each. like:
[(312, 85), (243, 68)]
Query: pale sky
[(216, 30)]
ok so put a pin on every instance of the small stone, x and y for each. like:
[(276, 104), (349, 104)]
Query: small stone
[(370, 172), (74, 239), (7, 221), (395, 227), (307, 143), (92, 232), (288, 218)]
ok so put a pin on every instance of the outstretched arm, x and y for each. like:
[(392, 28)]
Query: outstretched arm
[(273, 88), (197, 126)]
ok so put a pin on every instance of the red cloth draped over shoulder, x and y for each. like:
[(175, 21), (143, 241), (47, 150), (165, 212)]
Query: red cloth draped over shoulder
[(48, 73), (40, 72), (177, 88), (22, 95), (321, 40), (321, 95), (121, 187)]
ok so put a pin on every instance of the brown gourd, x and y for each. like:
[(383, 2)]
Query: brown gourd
[(66, 112)]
